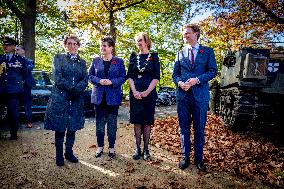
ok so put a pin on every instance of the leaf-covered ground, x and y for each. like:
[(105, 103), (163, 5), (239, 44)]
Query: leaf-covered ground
[(224, 150), (30, 161)]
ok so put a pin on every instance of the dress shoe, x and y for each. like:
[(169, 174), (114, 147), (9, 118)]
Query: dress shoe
[(137, 154), (29, 125), (71, 157), (112, 155), (99, 154), (13, 137), (184, 163), (146, 155), (200, 166)]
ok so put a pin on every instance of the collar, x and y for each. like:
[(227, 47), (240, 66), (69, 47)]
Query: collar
[(196, 46), (72, 56)]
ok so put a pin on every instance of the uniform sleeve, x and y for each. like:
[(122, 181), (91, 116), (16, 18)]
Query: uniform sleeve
[(30, 64), (59, 81), (24, 68)]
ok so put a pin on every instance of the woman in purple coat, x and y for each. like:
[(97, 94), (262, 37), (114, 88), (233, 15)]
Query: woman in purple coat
[(107, 74)]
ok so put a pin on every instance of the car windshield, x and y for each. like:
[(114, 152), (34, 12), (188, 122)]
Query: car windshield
[(41, 78)]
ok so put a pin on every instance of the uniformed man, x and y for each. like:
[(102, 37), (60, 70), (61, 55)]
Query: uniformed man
[(28, 85), (13, 72)]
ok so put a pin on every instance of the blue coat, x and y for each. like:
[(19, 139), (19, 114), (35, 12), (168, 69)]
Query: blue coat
[(204, 69), (65, 109), (13, 73), (117, 76)]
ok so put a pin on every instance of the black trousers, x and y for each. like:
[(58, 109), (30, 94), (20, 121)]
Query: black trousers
[(12, 102)]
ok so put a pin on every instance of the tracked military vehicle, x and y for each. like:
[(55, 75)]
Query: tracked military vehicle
[(252, 88)]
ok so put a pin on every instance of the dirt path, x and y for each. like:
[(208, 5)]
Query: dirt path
[(30, 163)]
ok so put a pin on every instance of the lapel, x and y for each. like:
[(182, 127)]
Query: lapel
[(199, 54), (100, 66), (112, 65)]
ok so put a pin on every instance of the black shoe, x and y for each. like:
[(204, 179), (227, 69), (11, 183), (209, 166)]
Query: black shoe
[(111, 155), (137, 154), (71, 157), (200, 166), (99, 154), (13, 137), (184, 163), (146, 155), (59, 161)]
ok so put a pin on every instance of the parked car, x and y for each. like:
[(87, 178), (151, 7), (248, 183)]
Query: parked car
[(166, 96), (42, 91)]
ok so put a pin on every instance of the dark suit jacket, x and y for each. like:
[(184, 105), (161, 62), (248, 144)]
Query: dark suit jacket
[(204, 69), (117, 76)]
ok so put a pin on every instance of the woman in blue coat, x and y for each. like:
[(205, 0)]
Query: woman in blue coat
[(66, 106), (107, 74)]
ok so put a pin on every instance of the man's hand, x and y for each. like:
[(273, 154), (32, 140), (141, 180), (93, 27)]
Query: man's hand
[(192, 81), (184, 86)]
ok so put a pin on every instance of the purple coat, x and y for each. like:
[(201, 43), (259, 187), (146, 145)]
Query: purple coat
[(117, 76)]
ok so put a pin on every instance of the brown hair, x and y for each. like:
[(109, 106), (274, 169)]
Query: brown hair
[(195, 28), (146, 39), (74, 37), (109, 40)]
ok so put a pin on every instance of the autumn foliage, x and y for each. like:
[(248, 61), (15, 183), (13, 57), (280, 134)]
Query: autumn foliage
[(227, 151)]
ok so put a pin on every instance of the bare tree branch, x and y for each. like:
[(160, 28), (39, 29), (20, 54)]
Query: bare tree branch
[(14, 9), (130, 5), (105, 4), (272, 15)]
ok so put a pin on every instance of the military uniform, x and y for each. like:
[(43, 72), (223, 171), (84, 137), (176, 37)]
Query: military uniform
[(28, 85), (13, 72)]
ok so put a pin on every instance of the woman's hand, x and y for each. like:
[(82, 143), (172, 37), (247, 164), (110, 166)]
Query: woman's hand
[(105, 82), (137, 95), (144, 93)]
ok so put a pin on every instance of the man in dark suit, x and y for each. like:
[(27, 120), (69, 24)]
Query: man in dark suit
[(13, 73), (28, 85), (195, 65)]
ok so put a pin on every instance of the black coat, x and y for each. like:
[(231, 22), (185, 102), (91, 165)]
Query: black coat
[(66, 105)]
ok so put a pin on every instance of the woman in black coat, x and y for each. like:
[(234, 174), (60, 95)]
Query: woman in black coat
[(66, 106), (143, 76)]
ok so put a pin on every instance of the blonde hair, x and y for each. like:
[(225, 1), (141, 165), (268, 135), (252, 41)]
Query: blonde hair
[(74, 37), (195, 28), (145, 37)]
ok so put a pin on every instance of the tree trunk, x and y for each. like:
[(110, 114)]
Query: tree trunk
[(112, 27), (27, 19), (28, 25)]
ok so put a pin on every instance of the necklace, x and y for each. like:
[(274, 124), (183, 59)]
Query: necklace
[(142, 69)]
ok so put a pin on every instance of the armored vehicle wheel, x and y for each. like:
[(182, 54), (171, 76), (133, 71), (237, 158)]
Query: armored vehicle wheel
[(236, 108)]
